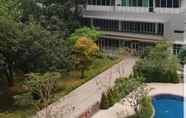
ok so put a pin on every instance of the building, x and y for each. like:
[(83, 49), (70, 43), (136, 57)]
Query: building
[(137, 24)]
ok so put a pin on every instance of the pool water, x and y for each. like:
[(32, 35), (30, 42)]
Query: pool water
[(168, 106)]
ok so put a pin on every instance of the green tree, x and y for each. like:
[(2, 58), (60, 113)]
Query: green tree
[(62, 15), (10, 35), (30, 48), (90, 33), (43, 50), (159, 65), (11, 8), (182, 56), (85, 49)]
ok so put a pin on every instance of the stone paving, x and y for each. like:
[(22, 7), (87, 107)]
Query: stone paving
[(82, 98)]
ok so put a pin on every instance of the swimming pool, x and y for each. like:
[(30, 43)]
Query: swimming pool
[(168, 106)]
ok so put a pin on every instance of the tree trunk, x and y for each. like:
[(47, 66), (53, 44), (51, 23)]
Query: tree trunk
[(10, 75), (82, 74)]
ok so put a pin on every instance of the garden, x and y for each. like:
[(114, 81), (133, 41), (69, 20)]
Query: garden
[(158, 65), (44, 54)]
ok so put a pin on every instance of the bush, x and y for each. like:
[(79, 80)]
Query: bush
[(104, 101), (109, 98), (121, 89), (42, 85), (159, 65), (182, 56), (126, 85), (145, 110)]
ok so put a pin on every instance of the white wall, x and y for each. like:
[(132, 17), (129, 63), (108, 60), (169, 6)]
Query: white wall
[(176, 22)]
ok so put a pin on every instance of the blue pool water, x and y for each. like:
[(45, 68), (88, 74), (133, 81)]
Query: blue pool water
[(168, 106)]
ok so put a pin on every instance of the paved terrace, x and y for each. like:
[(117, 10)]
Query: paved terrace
[(83, 98)]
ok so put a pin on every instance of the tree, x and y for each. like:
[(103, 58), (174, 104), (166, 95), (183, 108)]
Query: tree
[(62, 15), (11, 8), (10, 36), (90, 33), (159, 65), (182, 56), (85, 49), (30, 48)]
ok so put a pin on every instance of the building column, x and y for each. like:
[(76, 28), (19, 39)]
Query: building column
[(120, 26), (91, 22), (156, 28)]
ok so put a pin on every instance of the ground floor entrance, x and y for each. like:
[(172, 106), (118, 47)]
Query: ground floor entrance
[(134, 47)]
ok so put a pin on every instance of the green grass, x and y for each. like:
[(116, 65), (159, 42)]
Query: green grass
[(25, 106)]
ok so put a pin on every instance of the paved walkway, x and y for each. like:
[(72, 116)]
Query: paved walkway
[(87, 95)]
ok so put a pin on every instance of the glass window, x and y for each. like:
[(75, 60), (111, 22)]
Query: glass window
[(168, 3), (145, 3)]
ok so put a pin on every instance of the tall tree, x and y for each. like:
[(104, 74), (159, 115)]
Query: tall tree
[(30, 48), (54, 14), (11, 8), (10, 36)]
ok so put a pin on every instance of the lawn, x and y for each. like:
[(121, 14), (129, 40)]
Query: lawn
[(24, 105)]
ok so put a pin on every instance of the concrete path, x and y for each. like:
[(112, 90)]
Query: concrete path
[(87, 95)]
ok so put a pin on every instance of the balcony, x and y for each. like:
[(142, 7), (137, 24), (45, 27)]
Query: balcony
[(132, 36), (133, 9), (137, 6)]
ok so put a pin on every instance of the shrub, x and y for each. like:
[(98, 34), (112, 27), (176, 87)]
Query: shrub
[(42, 85), (104, 101), (182, 56), (109, 98), (145, 110), (159, 65), (121, 89), (125, 85)]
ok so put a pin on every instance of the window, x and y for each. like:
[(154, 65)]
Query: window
[(126, 26), (106, 25), (168, 3), (135, 3), (101, 2), (178, 31), (144, 28)]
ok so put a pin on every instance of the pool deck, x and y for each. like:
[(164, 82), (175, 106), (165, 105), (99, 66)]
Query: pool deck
[(125, 110), (168, 88)]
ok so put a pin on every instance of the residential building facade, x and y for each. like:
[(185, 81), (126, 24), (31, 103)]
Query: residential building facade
[(136, 24)]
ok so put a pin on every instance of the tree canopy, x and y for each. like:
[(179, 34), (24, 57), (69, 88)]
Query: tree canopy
[(10, 8), (30, 48), (84, 49), (159, 65), (182, 56)]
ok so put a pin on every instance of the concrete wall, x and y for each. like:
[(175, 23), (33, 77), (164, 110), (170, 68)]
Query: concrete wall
[(176, 22)]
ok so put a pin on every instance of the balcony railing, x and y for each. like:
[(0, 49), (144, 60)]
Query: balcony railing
[(133, 9)]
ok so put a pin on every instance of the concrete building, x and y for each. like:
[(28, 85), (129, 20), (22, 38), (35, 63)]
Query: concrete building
[(137, 24)]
